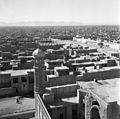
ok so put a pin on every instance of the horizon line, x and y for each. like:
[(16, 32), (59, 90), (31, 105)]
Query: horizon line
[(49, 23)]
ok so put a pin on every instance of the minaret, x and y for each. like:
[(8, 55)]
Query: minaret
[(38, 77), (39, 71)]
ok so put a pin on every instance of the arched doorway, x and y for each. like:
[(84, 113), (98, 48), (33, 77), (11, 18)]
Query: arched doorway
[(95, 113)]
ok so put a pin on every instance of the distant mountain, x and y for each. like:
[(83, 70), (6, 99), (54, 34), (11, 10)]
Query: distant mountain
[(40, 23)]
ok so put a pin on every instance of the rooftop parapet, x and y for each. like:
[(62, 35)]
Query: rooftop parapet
[(63, 91)]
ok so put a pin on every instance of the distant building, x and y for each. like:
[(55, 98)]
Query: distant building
[(16, 82), (58, 95), (58, 101)]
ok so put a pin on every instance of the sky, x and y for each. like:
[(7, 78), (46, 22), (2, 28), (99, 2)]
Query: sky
[(83, 11)]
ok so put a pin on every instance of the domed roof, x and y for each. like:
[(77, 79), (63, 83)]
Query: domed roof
[(38, 53)]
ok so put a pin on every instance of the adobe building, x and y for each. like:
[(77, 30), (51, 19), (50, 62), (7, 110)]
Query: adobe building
[(22, 81), (102, 100), (16, 82), (57, 97)]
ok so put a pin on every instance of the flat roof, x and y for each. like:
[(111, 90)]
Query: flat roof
[(104, 69), (64, 102), (9, 106), (84, 63), (100, 62), (61, 68), (51, 75), (107, 90), (17, 72), (74, 84), (57, 60)]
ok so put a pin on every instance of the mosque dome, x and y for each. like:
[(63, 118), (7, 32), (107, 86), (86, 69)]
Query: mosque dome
[(38, 53)]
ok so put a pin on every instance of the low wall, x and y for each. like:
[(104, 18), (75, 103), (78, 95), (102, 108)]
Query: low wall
[(102, 75), (7, 91), (99, 75), (41, 112), (21, 115), (62, 80), (64, 90)]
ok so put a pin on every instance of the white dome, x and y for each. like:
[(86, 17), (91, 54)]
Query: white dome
[(38, 53)]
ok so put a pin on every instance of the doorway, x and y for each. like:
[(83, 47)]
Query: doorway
[(95, 113)]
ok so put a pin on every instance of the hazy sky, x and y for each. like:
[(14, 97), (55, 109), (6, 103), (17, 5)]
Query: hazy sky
[(83, 11)]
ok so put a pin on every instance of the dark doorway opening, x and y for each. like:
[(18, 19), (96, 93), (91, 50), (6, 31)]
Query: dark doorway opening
[(95, 113), (74, 114), (61, 116)]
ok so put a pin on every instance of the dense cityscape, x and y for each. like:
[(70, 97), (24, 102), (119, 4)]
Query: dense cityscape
[(60, 72)]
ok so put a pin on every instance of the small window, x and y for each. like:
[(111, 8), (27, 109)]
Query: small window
[(15, 80), (45, 78), (23, 79)]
